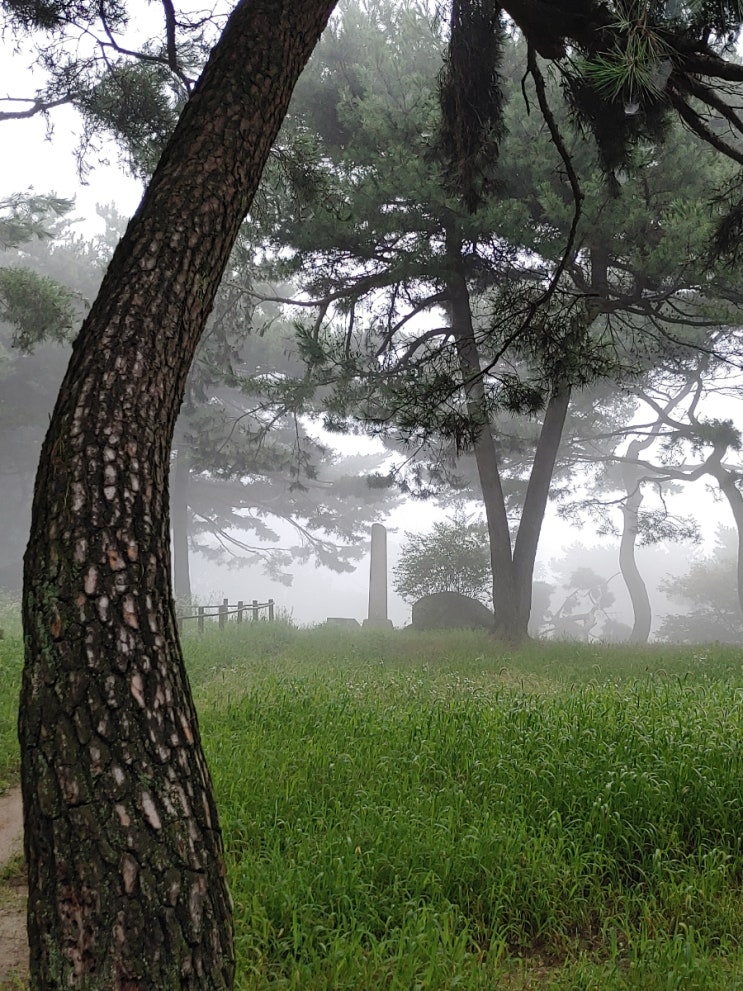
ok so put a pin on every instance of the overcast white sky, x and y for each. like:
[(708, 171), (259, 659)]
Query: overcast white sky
[(42, 157)]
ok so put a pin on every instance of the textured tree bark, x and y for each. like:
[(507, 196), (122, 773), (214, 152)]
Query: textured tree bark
[(127, 885)]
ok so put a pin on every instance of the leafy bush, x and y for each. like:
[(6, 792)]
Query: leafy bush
[(454, 556)]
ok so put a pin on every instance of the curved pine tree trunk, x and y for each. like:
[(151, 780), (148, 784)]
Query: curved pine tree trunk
[(727, 481), (127, 886), (638, 593), (636, 587), (632, 481), (537, 496)]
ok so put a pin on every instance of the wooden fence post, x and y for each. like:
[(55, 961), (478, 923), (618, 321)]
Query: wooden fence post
[(223, 613)]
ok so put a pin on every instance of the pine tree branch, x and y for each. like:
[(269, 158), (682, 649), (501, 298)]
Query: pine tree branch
[(707, 95), (698, 127), (38, 106), (171, 60), (562, 150)]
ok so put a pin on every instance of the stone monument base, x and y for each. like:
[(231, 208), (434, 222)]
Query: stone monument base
[(343, 621), (378, 624)]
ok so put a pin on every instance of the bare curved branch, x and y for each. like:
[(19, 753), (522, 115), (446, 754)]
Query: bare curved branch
[(38, 106)]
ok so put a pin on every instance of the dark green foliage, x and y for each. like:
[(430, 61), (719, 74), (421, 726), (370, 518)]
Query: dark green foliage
[(51, 15), (717, 20), (373, 232), (636, 65), (616, 131), (389, 251), (726, 245), (471, 96), (138, 106), (36, 306)]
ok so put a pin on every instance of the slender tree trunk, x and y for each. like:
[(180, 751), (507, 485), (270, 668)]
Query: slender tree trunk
[(632, 480), (505, 604), (179, 507), (535, 501), (638, 593), (127, 886), (727, 482)]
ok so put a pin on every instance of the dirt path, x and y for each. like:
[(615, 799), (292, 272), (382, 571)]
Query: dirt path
[(13, 943)]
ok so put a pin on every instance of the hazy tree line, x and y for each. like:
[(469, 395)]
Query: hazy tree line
[(358, 236), (242, 464), (417, 297), (455, 292), (579, 594)]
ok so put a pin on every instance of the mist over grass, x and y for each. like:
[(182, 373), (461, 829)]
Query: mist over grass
[(432, 811), (437, 811)]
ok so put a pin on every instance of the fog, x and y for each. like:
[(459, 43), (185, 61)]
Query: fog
[(239, 563), (316, 594)]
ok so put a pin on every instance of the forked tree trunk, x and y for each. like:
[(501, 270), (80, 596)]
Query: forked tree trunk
[(632, 479), (505, 604), (513, 568), (127, 886)]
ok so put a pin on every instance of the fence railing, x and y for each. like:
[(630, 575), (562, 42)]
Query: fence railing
[(242, 611)]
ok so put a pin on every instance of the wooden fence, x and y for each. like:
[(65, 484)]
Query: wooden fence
[(240, 610)]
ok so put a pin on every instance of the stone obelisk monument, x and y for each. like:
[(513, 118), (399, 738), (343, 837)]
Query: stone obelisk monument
[(378, 580)]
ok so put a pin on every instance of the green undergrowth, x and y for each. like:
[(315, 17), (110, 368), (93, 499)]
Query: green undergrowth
[(243, 655), (11, 661), (408, 811)]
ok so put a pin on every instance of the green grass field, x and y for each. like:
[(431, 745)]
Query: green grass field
[(405, 811)]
